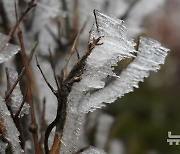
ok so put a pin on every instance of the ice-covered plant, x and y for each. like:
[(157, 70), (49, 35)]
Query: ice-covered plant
[(98, 82), (93, 81)]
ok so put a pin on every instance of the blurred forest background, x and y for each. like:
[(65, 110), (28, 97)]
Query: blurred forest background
[(143, 117), (137, 123)]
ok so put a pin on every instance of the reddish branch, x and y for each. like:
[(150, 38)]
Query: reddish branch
[(30, 6), (33, 126), (9, 92)]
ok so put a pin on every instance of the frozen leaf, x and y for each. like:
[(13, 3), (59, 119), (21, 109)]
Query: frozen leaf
[(7, 50), (8, 128), (16, 96), (93, 150)]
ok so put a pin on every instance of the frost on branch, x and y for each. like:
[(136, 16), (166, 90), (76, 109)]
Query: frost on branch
[(8, 129), (16, 96), (7, 50), (99, 84), (149, 57), (116, 46)]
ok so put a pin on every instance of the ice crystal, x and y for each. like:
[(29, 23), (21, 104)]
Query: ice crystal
[(16, 96), (149, 57), (99, 65), (10, 131), (99, 83), (7, 50)]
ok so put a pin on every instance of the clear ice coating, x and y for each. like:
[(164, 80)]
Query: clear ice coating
[(16, 97), (10, 131), (7, 50), (93, 150), (116, 46), (95, 88), (149, 57)]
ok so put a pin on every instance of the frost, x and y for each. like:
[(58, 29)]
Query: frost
[(149, 57), (7, 50), (10, 131), (99, 83), (16, 96), (93, 150), (116, 46), (72, 129)]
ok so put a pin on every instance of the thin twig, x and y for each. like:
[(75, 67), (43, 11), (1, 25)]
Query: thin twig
[(53, 69), (97, 25), (33, 125), (67, 26), (77, 53), (73, 49), (75, 18), (21, 74), (16, 14), (76, 70), (82, 150), (43, 125), (4, 17), (58, 41), (48, 84), (30, 6)]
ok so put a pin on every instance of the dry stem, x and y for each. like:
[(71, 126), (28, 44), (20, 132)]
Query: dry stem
[(33, 125)]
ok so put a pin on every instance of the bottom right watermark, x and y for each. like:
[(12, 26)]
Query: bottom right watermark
[(173, 139)]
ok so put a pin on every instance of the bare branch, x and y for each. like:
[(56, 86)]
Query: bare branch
[(48, 84), (21, 74), (30, 6), (33, 125)]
